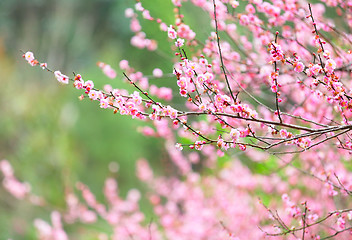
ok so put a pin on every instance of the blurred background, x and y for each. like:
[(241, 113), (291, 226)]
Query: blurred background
[(50, 137)]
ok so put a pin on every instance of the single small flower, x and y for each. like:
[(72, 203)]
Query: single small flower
[(157, 72), (61, 77), (171, 32), (202, 107), (43, 65), (107, 70), (182, 83), (242, 147), (93, 95), (178, 146), (283, 133), (235, 134), (129, 13), (104, 103), (29, 56), (179, 42), (341, 223), (299, 67), (330, 65)]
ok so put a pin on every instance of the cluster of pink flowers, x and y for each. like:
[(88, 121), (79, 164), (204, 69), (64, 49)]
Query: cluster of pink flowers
[(54, 232), (107, 70), (16, 188), (250, 94)]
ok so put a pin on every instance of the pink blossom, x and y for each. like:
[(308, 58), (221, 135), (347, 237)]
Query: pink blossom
[(250, 9), (144, 172), (148, 131), (163, 27), (135, 26), (178, 146), (104, 103), (107, 70), (11, 184), (89, 85), (171, 32), (244, 19), (283, 133), (330, 65), (242, 147), (129, 13), (165, 93), (235, 134), (61, 77), (274, 88), (29, 56), (177, 3), (313, 70), (93, 94), (157, 72), (138, 7), (182, 83), (341, 223), (228, 104), (146, 15), (199, 145), (179, 42), (299, 67), (44, 65), (202, 107), (234, 3)]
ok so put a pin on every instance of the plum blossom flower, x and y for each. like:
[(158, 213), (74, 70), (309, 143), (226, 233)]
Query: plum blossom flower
[(129, 13), (198, 145), (78, 84), (138, 7), (157, 72), (299, 67), (124, 64), (104, 103), (93, 94), (330, 65), (178, 146), (29, 56), (146, 15), (283, 133), (242, 147), (235, 134), (107, 70), (202, 106), (177, 3), (179, 42), (234, 3), (44, 65), (171, 32), (89, 85), (18, 189), (341, 223), (61, 77), (276, 52), (313, 70)]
